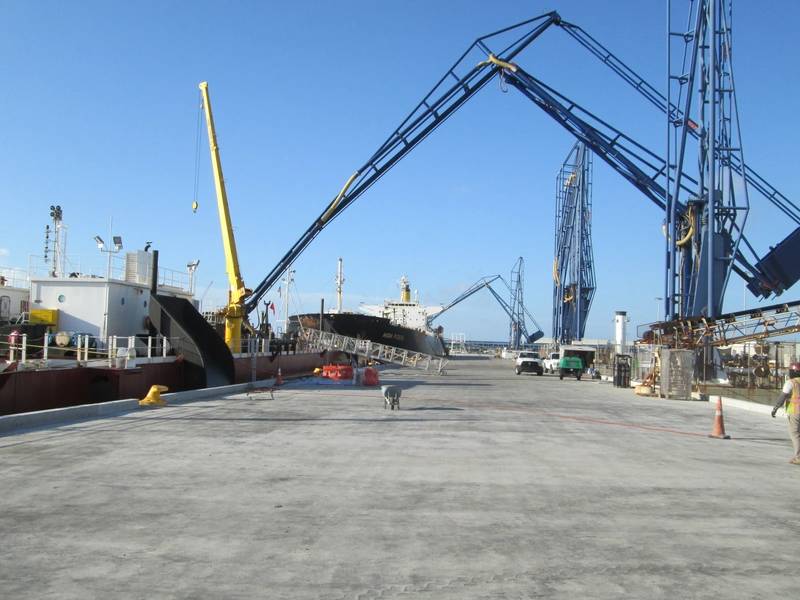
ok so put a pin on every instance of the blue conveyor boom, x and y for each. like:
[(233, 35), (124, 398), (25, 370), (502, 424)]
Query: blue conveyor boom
[(644, 169), (461, 81), (475, 287)]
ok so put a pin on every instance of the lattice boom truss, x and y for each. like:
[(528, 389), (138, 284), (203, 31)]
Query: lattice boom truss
[(316, 340), (744, 326)]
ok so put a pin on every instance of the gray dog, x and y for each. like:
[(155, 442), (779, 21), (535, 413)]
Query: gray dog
[(391, 396)]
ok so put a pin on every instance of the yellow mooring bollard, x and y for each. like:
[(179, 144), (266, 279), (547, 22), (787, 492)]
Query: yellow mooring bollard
[(153, 397)]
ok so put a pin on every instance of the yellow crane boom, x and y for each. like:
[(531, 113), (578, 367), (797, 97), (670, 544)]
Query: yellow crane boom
[(234, 312)]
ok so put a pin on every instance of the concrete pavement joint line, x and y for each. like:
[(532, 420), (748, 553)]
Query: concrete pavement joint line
[(324, 395), (624, 424), (596, 421)]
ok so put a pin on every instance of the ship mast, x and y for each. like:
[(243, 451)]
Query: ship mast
[(339, 282)]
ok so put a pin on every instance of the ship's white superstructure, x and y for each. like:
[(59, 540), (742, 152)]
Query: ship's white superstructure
[(404, 312), (101, 303), (114, 305)]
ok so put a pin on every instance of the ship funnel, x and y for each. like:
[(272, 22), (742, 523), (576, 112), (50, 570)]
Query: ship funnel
[(405, 289)]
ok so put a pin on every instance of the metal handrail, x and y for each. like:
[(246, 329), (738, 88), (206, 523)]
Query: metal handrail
[(316, 340)]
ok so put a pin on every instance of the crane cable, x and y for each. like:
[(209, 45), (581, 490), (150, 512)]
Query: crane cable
[(195, 204)]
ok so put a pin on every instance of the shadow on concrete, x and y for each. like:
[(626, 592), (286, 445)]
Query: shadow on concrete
[(405, 383), (122, 424)]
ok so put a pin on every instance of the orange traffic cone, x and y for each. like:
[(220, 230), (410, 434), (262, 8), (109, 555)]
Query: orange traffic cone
[(279, 378), (719, 425)]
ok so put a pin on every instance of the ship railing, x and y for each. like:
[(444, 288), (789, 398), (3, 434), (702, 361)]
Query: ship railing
[(84, 350), (264, 346), (316, 340), (116, 268), (13, 277)]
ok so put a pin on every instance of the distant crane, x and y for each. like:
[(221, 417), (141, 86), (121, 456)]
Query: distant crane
[(518, 328), (483, 282), (518, 319), (573, 265), (237, 292), (517, 303)]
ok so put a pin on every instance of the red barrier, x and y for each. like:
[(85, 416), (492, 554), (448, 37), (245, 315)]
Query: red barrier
[(339, 372), (370, 377)]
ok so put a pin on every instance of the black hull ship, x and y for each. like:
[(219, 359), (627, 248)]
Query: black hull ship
[(375, 329)]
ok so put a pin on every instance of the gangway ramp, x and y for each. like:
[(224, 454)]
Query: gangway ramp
[(316, 340)]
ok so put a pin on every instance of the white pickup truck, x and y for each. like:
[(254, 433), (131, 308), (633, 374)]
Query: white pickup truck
[(528, 362), (551, 362)]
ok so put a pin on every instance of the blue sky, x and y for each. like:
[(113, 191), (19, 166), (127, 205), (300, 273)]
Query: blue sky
[(98, 113)]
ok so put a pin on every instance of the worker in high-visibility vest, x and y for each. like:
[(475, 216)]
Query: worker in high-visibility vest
[(790, 400)]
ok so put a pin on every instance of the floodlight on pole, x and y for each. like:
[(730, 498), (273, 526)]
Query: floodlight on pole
[(101, 245), (192, 267)]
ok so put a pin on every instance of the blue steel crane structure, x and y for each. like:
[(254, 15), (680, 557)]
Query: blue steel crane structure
[(704, 237), (663, 182), (573, 262)]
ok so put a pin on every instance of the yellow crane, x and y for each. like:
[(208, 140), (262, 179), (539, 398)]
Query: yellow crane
[(237, 292)]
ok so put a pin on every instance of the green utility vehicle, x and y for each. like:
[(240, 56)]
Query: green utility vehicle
[(570, 365), (574, 360)]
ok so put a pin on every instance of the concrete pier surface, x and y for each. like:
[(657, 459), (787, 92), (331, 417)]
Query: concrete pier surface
[(484, 485)]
